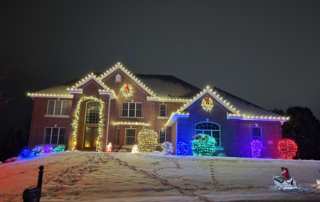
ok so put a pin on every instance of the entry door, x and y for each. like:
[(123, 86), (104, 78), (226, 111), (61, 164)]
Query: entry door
[(90, 138)]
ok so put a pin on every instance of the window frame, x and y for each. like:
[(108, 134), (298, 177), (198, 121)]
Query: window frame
[(211, 134), (125, 135), (165, 111), (128, 109), (58, 137), (85, 117), (165, 136), (54, 108), (261, 137)]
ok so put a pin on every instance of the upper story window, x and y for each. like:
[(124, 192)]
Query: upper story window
[(92, 112), (131, 109), (58, 107), (54, 135), (211, 129), (256, 134), (163, 110)]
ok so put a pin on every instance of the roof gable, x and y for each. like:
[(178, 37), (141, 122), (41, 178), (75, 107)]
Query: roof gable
[(129, 74)]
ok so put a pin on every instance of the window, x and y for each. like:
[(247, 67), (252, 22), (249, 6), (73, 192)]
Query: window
[(54, 135), (256, 134), (131, 109), (130, 136), (163, 110), (92, 112), (211, 129), (58, 107), (162, 136)]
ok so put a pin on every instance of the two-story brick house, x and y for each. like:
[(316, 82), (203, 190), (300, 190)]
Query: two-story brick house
[(88, 113)]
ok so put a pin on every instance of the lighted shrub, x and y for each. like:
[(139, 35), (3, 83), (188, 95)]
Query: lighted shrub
[(182, 148), (287, 148), (203, 145), (25, 153), (59, 148), (256, 147), (167, 148)]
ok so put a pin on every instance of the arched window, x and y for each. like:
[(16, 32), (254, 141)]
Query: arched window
[(211, 129), (92, 112)]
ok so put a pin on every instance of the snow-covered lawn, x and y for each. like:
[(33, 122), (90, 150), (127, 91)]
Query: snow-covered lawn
[(91, 176)]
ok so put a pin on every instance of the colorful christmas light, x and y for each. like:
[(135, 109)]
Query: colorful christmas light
[(167, 148), (59, 148), (287, 148), (256, 146), (25, 153), (207, 103), (182, 148), (203, 145), (47, 149), (37, 150)]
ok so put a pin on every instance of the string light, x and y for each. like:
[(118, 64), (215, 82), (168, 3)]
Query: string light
[(148, 139), (287, 148), (256, 147), (203, 145), (75, 128), (182, 148), (131, 123), (167, 148)]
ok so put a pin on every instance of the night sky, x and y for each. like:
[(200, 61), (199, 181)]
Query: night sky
[(265, 52)]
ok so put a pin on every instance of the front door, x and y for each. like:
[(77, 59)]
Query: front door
[(90, 138)]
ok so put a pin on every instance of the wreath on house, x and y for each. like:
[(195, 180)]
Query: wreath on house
[(126, 90), (207, 103)]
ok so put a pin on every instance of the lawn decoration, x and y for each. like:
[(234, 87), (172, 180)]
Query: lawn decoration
[(59, 148), (287, 148), (256, 146), (109, 147), (285, 181), (182, 148), (126, 91), (48, 149), (25, 153), (167, 148), (318, 182), (135, 148), (203, 145), (207, 103), (148, 140)]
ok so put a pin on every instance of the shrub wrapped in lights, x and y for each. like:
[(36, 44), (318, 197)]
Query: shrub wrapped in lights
[(38, 150), (48, 149), (287, 148), (182, 148), (167, 148), (256, 147), (203, 145), (59, 148), (25, 153), (148, 140)]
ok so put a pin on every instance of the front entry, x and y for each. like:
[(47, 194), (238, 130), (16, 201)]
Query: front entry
[(90, 138)]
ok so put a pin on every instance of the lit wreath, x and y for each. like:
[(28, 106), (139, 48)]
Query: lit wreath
[(207, 103), (126, 90)]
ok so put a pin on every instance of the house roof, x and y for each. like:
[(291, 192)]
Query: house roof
[(167, 87)]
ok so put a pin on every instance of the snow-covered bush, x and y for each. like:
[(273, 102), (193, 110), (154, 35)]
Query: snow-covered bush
[(203, 145)]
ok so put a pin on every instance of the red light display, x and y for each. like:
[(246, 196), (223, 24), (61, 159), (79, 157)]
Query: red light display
[(287, 148)]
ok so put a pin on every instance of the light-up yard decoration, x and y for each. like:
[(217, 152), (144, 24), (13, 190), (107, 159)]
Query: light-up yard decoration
[(167, 148), (135, 148), (109, 147), (182, 148), (59, 148), (203, 145), (126, 91), (148, 140), (38, 150), (287, 148), (207, 103), (48, 148), (256, 146)]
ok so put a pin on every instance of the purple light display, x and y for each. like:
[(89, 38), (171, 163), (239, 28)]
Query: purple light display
[(256, 146)]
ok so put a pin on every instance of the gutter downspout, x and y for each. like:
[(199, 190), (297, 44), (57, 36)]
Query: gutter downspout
[(108, 121)]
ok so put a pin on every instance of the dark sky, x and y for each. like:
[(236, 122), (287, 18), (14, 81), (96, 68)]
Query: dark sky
[(266, 52)]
